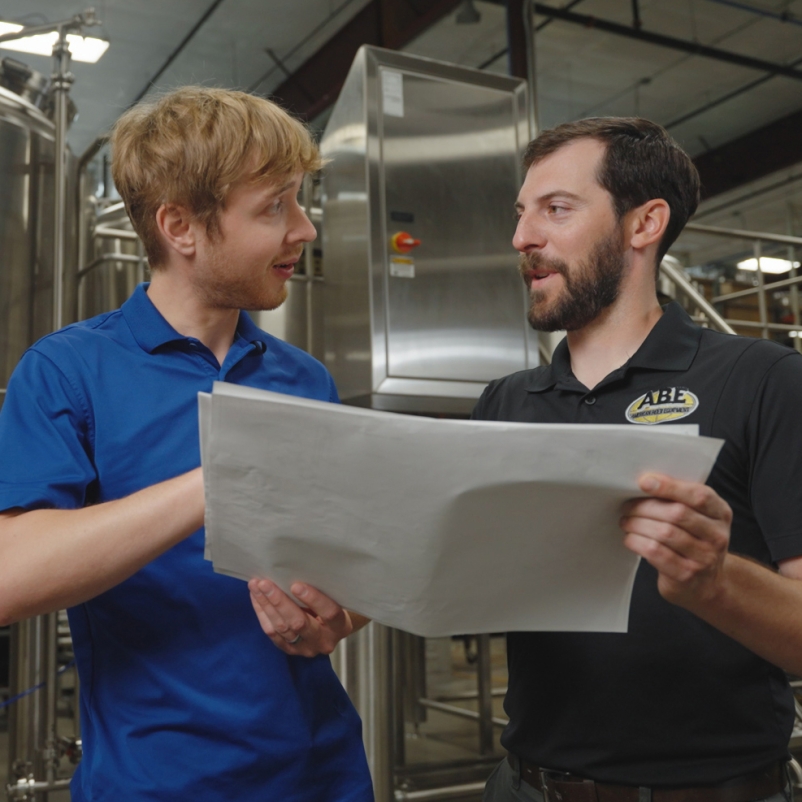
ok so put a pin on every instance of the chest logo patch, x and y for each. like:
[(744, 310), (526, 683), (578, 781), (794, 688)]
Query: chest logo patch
[(661, 406)]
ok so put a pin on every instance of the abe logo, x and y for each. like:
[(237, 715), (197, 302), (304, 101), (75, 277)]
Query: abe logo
[(660, 406)]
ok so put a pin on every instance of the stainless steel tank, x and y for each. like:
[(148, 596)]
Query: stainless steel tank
[(27, 219), (26, 225)]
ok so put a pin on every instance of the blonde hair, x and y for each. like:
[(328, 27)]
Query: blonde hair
[(191, 146)]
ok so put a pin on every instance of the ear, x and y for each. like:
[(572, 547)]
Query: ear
[(177, 229), (647, 223)]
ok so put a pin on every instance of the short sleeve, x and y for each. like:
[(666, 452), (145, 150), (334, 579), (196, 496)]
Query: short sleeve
[(334, 397), (775, 443), (45, 439)]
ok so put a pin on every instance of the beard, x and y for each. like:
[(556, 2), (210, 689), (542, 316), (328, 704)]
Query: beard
[(591, 286), (222, 286), (248, 295)]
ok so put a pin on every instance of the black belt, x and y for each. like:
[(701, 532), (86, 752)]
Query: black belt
[(558, 786)]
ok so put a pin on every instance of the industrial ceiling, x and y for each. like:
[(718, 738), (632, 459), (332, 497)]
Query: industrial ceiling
[(725, 76)]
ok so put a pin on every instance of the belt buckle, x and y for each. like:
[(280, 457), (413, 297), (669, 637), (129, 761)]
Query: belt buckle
[(544, 779), (545, 776), (552, 794)]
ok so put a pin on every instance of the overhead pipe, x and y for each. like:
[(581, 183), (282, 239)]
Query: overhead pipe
[(683, 118), (637, 24), (694, 48), (739, 233), (177, 52), (783, 16), (526, 16), (531, 67)]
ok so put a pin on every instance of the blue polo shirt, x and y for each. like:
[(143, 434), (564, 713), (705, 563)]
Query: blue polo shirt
[(182, 694)]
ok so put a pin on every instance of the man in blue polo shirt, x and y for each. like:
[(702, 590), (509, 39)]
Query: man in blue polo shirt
[(184, 696)]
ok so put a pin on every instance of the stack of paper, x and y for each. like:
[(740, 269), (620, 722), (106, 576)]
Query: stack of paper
[(437, 527)]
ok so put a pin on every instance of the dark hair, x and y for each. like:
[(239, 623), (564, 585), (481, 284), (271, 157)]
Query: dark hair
[(642, 162)]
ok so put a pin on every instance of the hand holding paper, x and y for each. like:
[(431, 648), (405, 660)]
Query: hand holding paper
[(684, 532), (316, 628), (437, 527)]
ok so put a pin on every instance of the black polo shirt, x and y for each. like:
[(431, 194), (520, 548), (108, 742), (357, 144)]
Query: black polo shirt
[(673, 701)]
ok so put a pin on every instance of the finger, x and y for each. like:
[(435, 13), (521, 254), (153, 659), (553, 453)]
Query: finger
[(700, 497), (315, 640), (258, 602), (676, 515), (263, 610), (324, 607), (668, 562), (285, 615), (271, 620), (702, 550)]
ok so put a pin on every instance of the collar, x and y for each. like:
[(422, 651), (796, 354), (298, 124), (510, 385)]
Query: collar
[(151, 330), (670, 345)]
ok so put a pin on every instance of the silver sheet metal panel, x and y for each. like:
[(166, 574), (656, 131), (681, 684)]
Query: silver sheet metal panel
[(26, 228), (429, 152), (27, 208)]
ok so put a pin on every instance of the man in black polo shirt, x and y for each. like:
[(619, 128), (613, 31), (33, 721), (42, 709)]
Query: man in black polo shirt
[(692, 703)]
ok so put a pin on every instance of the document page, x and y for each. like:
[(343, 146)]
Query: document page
[(436, 527)]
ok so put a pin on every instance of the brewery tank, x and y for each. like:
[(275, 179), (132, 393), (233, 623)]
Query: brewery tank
[(27, 205)]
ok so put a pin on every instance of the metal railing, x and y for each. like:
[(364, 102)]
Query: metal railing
[(758, 238), (116, 256), (671, 268), (484, 695)]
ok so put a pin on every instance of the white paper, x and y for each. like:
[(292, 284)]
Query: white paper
[(437, 527), (205, 430), (392, 93)]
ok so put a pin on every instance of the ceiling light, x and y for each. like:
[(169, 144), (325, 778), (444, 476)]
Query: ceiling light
[(82, 48), (768, 264)]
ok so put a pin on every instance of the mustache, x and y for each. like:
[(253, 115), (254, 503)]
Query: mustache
[(529, 263), (292, 256)]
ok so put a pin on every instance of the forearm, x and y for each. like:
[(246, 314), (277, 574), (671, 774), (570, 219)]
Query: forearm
[(760, 609), (51, 559)]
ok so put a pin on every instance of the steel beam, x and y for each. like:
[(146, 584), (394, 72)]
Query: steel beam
[(516, 38), (773, 147), (386, 23), (694, 48)]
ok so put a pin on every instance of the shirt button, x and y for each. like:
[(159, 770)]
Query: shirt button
[(590, 400)]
